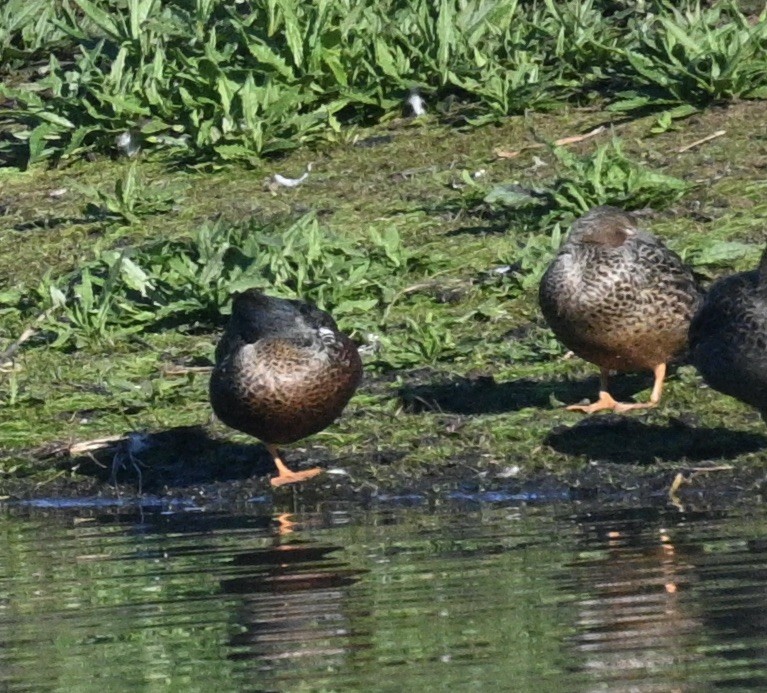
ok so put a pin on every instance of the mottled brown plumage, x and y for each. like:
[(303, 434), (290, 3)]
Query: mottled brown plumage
[(283, 372), (728, 337), (619, 298)]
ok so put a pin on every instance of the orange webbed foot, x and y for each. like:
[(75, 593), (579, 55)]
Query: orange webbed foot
[(606, 401), (294, 477), (288, 476), (628, 406)]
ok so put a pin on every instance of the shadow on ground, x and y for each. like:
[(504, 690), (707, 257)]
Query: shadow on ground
[(482, 395), (622, 439), (179, 457)]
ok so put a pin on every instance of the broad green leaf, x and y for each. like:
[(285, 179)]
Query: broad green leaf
[(100, 17), (385, 60), (511, 195), (293, 33), (722, 252), (55, 119)]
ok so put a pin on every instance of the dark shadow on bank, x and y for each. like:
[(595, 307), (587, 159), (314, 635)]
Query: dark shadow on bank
[(184, 456), (624, 439), (483, 395)]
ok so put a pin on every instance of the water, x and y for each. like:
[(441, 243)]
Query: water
[(447, 595)]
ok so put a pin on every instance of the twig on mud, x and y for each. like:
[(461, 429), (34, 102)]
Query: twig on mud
[(93, 445), (85, 447), (30, 331), (125, 449), (572, 139), (702, 140), (680, 479)]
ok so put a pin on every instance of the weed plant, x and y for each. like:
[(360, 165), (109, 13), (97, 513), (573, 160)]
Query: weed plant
[(186, 284), (605, 176), (694, 56), (220, 81)]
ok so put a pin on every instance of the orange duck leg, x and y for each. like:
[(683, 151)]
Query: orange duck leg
[(606, 400), (285, 475)]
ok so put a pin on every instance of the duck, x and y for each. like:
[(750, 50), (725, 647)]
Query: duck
[(283, 371), (616, 296), (728, 337)]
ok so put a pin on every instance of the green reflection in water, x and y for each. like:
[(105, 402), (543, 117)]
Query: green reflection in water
[(393, 600), (189, 602)]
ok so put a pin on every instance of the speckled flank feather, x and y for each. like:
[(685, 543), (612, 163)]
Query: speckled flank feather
[(728, 337), (617, 296), (283, 370)]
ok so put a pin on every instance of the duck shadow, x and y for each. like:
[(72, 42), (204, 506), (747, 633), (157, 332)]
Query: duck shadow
[(181, 457), (483, 395), (51, 222), (626, 440)]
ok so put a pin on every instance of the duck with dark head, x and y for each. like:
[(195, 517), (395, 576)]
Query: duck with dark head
[(283, 372), (728, 337), (618, 297)]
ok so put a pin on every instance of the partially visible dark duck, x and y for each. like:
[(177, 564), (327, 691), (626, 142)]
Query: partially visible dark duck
[(283, 372), (616, 296), (728, 337)]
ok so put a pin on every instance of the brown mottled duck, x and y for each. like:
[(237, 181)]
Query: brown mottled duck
[(728, 337), (283, 372), (617, 297)]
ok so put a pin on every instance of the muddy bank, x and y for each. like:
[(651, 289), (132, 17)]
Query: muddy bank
[(348, 482), (650, 458)]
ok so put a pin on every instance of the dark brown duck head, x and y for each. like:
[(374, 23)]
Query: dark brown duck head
[(258, 316)]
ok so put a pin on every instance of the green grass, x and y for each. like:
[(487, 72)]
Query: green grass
[(425, 245), (417, 280)]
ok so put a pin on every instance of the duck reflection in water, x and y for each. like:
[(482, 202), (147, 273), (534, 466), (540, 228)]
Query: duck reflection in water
[(636, 630), (733, 595), (292, 607)]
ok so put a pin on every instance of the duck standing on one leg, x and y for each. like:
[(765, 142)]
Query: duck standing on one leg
[(283, 372), (616, 296), (728, 337)]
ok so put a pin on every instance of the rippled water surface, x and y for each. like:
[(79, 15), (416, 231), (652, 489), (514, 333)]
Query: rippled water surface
[(450, 595)]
